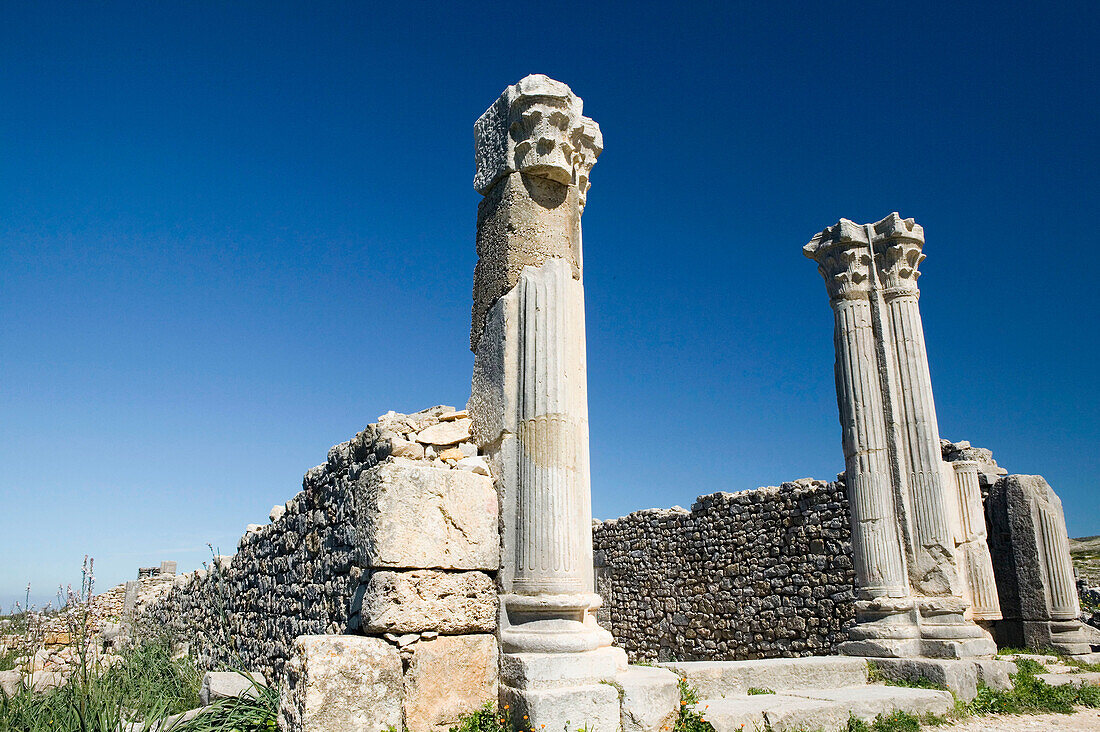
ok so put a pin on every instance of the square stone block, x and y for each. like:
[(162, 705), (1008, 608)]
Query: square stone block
[(650, 698), (341, 683), (448, 677), (424, 599), (594, 707), (414, 516)]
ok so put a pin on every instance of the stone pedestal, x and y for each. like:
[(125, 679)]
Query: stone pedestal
[(911, 600)]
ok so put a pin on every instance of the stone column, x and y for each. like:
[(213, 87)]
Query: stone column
[(1033, 568), (979, 584), (885, 623), (529, 400), (933, 572)]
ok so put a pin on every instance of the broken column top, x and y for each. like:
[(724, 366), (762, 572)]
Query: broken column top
[(536, 127)]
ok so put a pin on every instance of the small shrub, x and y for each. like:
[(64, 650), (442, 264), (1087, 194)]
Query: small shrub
[(690, 720), (756, 691)]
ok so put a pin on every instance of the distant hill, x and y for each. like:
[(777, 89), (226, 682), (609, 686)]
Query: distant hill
[(1086, 558)]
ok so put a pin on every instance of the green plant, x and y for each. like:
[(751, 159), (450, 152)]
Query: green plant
[(897, 722), (756, 691), (1030, 694), (254, 712), (689, 720)]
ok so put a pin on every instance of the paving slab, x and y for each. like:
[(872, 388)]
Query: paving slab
[(824, 709), (715, 679), (1086, 678)]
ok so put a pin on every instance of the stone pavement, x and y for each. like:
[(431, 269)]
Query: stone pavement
[(1084, 720)]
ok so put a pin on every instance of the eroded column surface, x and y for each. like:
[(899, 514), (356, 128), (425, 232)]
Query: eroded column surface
[(979, 584), (1034, 569), (843, 255), (529, 401)]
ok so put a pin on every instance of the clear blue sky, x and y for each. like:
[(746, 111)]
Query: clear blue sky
[(233, 234)]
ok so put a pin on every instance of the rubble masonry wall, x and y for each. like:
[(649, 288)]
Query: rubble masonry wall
[(762, 573)]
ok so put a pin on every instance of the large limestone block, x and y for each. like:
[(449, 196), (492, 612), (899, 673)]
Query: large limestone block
[(594, 708), (416, 516), (341, 683), (650, 698), (422, 600), (448, 677), (715, 679)]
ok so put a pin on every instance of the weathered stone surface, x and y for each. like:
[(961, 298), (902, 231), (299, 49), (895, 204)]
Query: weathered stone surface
[(534, 152), (824, 709), (306, 573), (715, 679), (447, 677), (907, 573), (420, 600), (1034, 572), (415, 516), (650, 700), (958, 676), (342, 683), (445, 433), (594, 708), (225, 684), (10, 681)]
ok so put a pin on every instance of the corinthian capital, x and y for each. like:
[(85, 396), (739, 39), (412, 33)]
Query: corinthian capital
[(898, 243), (843, 256), (536, 127)]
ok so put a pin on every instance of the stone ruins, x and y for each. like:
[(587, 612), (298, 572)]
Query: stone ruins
[(447, 559)]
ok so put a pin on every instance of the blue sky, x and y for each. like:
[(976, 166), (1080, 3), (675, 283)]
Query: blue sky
[(233, 234)]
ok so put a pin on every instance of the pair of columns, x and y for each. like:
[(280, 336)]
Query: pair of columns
[(923, 569)]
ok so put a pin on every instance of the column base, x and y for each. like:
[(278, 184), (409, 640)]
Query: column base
[(556, 691), (1068, 636), (551, 624), (921, 627)]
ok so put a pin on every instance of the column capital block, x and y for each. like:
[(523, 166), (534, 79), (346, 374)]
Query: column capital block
[(843, 255), (898, 243), (536, 127)]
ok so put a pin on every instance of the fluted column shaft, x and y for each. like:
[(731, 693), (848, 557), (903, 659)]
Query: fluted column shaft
[(980, 584), (875, 543), (554, 515)]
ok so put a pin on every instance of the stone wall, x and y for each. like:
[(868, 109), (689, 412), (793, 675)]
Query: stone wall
[(396, 536), (762, 573)]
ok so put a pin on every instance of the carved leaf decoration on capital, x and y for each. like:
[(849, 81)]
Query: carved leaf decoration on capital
[(899, 263), (846, 272)]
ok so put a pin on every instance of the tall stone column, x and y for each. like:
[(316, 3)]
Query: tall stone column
[(979, 584), (885, 622), (529, 400), (879, 261), (933, 572)]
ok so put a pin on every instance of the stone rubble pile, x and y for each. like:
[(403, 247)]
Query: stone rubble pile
[(762, 573)]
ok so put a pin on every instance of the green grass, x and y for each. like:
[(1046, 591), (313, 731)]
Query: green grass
[(146, 684), (756, 691), (1031, 695)]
